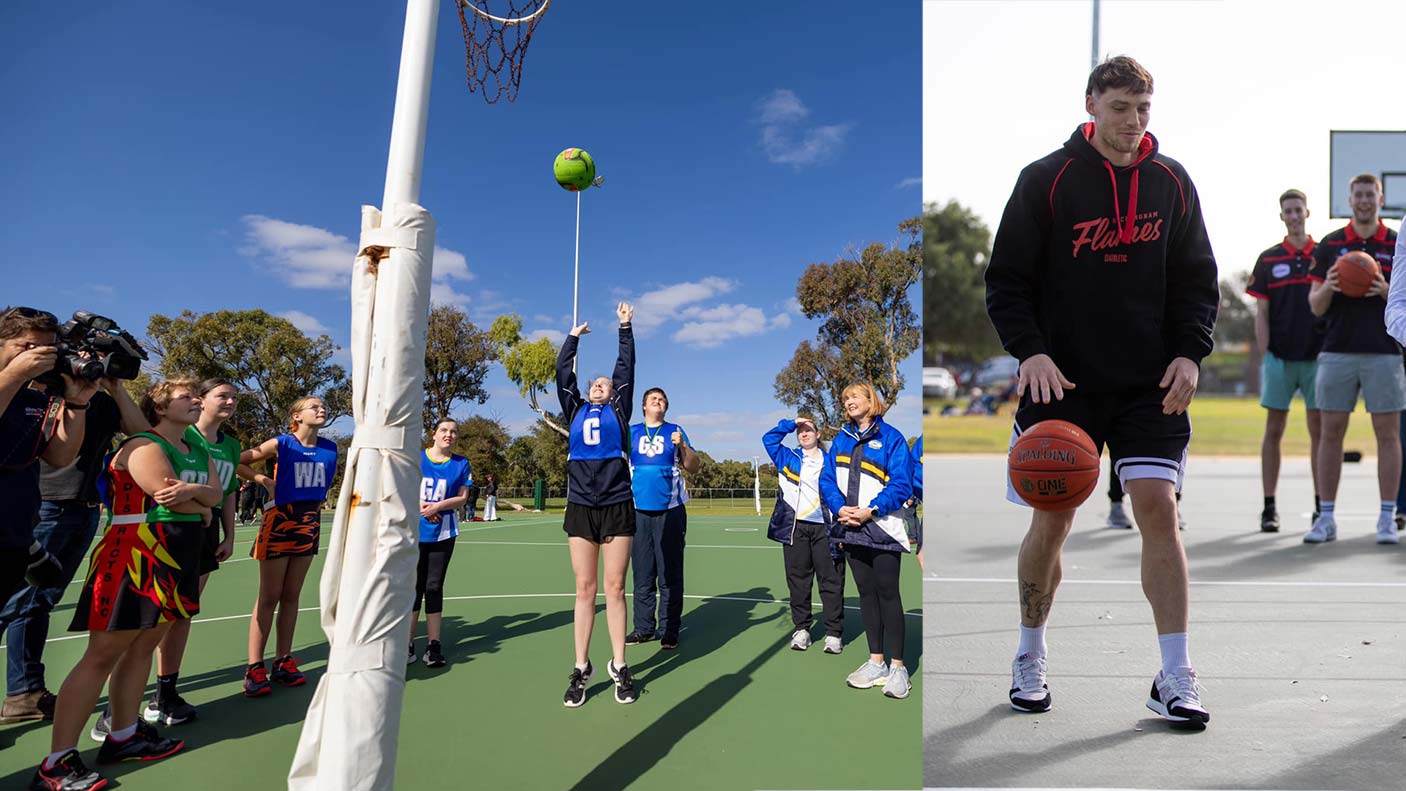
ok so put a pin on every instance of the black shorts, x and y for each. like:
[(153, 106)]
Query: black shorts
[(1142, 442), (597, 523), (208, 563)]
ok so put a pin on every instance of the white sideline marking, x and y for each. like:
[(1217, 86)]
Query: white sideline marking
[(910, 614), (1226, 583)]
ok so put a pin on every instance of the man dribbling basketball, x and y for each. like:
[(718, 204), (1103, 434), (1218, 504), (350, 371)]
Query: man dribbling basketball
[(1110, 316)]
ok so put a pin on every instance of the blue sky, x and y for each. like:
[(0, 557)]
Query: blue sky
[(209, 156)]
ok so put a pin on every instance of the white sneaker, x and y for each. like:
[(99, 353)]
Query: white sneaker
[(800, 641), (1325, 528), (1117, 517), (868, 675), (833, 644), (897, 686), (1178, 699), (1029, 692), (1386, 530)]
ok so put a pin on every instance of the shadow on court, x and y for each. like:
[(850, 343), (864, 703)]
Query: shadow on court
[(222, 720), (708, 627), (721, 622)]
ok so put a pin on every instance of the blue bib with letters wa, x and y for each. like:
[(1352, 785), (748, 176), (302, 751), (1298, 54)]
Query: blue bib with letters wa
[(302, 474), (595, 434)]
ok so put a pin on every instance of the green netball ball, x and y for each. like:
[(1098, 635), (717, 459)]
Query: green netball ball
[(574, 169)]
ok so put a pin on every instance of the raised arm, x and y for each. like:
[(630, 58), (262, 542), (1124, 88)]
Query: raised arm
[(567, 393), (623, 381), (772, 441)]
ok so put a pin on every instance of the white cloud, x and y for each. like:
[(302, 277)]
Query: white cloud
[(913, 181), (555, 336), (654, 308), (786, 140), (304, 322), (708, 328), (305, 256)]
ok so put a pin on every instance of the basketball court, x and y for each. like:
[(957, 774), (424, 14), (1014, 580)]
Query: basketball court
[(733, 708), (1299, 647)]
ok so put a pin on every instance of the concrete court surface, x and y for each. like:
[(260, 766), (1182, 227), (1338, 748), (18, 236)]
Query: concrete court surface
[(1300, 648)]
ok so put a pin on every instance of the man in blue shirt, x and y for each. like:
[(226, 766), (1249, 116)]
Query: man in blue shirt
[(659, 454)]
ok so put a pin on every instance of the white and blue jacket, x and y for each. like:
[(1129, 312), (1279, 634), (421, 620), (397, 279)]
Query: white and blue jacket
[(797, 494), (872, 469)]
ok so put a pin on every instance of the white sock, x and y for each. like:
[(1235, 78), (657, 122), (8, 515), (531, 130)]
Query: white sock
[(1174, 652), (54, 757), (124, 734), (1032, 640), (1388, 508), (1325, 508), (582, 668)]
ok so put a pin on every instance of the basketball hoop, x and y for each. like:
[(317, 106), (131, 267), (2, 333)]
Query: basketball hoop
[(494, 61)]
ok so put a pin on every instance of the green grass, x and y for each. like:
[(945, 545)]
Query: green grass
[(1221, 426), (732, 709)]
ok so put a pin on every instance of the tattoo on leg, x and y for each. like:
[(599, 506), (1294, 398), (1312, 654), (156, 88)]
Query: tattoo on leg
[(1034, 605)]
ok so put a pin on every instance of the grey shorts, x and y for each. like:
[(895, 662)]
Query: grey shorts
[(1380, 377)]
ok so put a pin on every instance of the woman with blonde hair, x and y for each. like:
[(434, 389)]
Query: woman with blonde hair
[(866, 480), (304, 465)]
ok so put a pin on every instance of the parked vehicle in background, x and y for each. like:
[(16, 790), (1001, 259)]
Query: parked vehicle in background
[(939, 383), (996, 372)]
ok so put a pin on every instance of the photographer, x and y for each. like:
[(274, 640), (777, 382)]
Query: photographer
[(33, 425), (68, 520)]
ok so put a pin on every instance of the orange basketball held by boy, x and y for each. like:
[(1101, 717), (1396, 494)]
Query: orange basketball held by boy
[(1357, 271), (1054, 466)]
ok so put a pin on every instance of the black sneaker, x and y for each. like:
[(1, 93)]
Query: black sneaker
[(669, 642), (168, 712), (144, 745), (1400, 522), (576, 690), (67, 774), (624, 684), (434, 655), (1269, 521), (637, 637), (411, 657)]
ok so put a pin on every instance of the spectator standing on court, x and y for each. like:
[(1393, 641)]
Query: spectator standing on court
[(68, 521), (660, 454), (1358, 354), (1289, 337)]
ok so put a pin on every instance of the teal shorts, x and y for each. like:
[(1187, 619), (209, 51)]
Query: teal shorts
[(1280, 378)]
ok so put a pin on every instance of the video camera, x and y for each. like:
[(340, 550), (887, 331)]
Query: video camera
[(93, 347)]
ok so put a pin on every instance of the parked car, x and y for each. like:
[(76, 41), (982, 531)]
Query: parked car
[(996, 372), (939, 383)]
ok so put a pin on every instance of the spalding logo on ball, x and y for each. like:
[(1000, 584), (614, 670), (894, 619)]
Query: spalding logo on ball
[(575, 170)]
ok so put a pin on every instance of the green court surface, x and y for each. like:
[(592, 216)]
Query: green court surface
[(733, 708)]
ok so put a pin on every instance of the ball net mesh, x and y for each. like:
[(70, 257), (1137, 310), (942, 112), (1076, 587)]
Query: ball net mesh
[(496, 35)]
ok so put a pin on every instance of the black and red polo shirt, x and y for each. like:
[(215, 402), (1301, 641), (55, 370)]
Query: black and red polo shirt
[(1280, 277), (1356, 325)]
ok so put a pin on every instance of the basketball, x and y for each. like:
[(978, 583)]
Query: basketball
[(574, 169), (1054, 466), (1357, 271)]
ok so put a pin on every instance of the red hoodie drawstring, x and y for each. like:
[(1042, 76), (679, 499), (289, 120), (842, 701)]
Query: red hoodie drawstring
[(1126, 229)]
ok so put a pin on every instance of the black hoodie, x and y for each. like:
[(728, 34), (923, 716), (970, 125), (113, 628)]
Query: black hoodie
[(1106, 269)]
